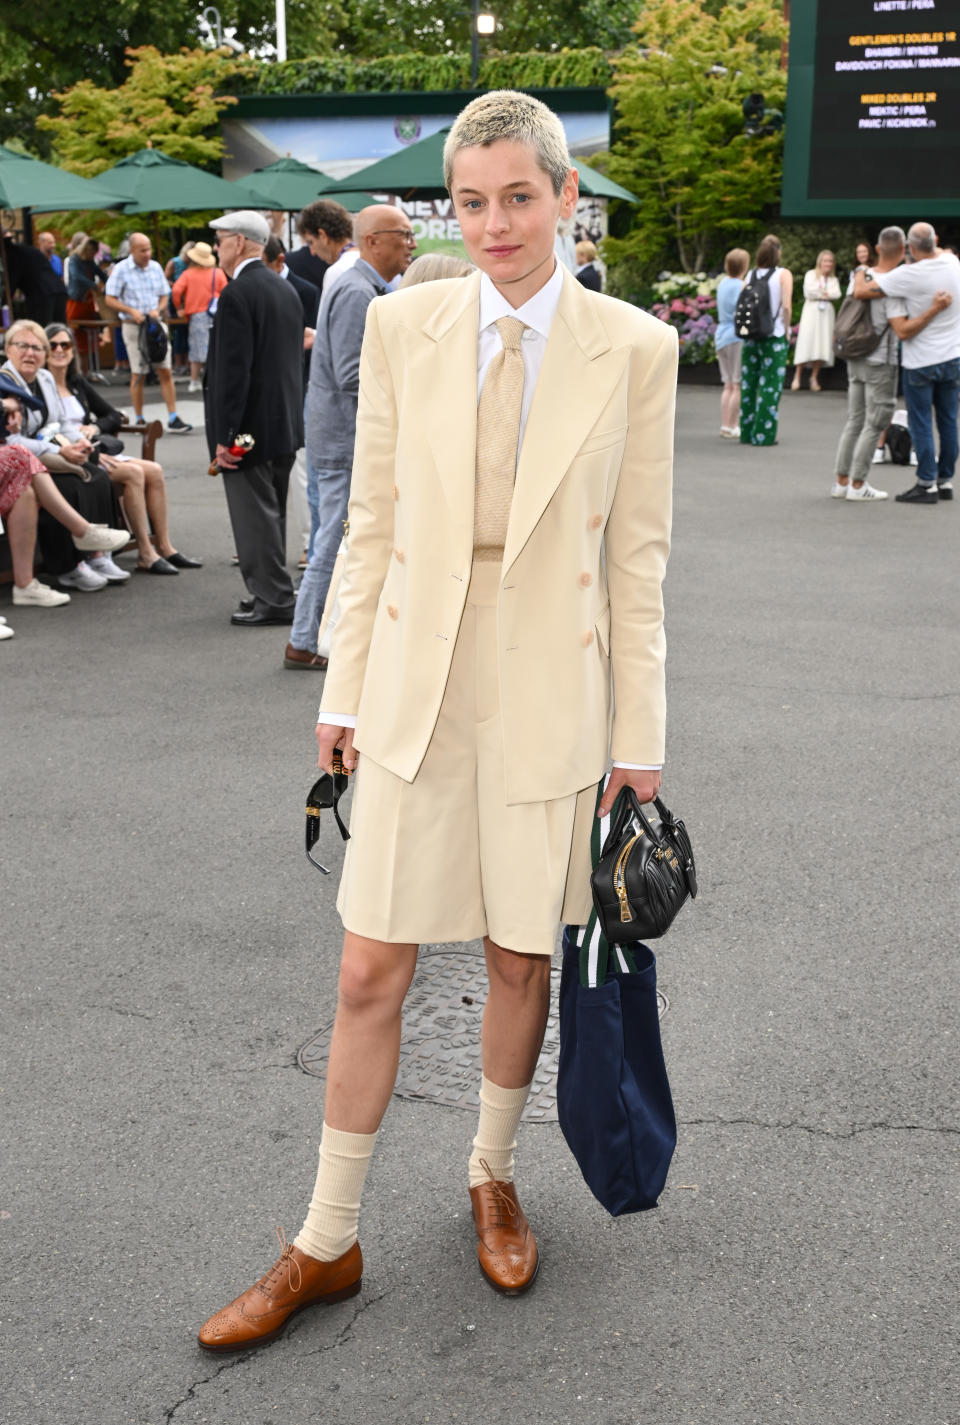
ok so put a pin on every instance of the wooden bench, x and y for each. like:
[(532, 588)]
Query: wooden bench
[(149, 435)]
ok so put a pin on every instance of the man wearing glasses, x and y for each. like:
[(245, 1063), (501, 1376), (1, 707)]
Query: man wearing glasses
[(385, 244)]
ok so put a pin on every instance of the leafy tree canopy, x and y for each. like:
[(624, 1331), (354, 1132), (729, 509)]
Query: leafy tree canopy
[(171, 101), (680, 143), (47, 46)]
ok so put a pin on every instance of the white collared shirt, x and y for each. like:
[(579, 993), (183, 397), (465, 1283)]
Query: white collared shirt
[(537, 314)]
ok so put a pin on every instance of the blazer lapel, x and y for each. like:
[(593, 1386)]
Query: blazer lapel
[(451, 372), (580, 370)]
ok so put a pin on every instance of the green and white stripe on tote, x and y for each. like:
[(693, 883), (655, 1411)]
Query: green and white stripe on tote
[(592, 943)]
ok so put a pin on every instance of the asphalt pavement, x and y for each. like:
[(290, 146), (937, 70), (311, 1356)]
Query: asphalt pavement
[(167, 950)]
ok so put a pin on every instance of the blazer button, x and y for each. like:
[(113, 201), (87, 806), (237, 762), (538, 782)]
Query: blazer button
[(394, 612), (396, 493), (399, 556), (596, 522), (587, 638), (585, 580)]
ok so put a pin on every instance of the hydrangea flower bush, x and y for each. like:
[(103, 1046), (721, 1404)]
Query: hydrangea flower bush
[(688, 301)]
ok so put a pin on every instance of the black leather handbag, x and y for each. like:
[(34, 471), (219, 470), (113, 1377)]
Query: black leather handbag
[(645, 872)]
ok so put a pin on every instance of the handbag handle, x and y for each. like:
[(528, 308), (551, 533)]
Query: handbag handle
[(628, 805)]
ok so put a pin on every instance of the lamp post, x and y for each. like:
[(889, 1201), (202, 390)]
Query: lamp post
[(281, 30), (481, 23)]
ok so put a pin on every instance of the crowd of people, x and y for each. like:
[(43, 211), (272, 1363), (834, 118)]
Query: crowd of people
[(910, 295), (61, 420)]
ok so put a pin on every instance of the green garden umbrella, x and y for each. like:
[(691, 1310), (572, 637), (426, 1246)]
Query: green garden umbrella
[(28, 183), (291, 184), (417, 171), (594, 184), (414, 171), (151, 182)]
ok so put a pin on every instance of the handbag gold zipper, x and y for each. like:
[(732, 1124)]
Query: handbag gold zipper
[(619, 885)]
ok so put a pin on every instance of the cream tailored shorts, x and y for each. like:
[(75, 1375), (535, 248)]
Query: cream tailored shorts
[(444, 858)]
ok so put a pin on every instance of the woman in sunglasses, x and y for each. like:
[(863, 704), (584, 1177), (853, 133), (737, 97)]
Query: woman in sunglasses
[(68, 458), (83, 412), (26, 487)]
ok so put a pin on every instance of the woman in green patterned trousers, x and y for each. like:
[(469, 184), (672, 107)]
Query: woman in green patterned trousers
[(765, 359)]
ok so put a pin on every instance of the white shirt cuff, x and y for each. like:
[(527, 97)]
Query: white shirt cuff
[(640, 766), (337, 719)]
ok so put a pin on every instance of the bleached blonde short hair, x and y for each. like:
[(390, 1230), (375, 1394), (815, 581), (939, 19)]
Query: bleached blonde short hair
[(509, 114)]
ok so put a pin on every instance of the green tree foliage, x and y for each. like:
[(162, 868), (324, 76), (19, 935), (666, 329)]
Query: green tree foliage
[(172, 101), (46, 46), (336, 73), (372, 29), (680, 144)]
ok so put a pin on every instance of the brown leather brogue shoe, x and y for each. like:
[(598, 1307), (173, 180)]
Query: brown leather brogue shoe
[(506, 1247), (294, 1282)]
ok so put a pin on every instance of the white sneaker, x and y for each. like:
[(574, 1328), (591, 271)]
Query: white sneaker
[(104, 565), (866, 492), (878, 455), (41, 596), (195, 386), (82, 578), (101, 537), (5, 631), (838, 491), (913, 458)]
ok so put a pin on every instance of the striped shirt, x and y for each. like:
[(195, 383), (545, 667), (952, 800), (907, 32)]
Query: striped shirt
[(139, 287)]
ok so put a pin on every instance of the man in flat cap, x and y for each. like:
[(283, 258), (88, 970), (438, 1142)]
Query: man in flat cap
[(253, 386)]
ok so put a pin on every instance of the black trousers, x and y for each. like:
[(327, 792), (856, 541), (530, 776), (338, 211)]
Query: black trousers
[(257, 501), (95, 499)]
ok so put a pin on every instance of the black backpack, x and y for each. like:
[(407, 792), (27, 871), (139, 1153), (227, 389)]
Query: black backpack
[(153, 341), (899, 444), (753, 319), (854, 334)]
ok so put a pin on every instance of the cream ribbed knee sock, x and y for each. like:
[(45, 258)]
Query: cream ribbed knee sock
[(331, 1225), (500, 1111)]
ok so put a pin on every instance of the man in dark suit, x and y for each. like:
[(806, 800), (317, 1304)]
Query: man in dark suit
[(275, 257), (253, 386)]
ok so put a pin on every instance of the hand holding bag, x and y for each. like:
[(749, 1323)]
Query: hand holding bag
[(644, 874)]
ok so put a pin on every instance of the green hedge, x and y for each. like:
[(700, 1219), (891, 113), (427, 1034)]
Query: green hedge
[(573, 68)]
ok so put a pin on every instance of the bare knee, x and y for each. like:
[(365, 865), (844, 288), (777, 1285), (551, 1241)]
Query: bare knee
[(374, 977), (516, 973)]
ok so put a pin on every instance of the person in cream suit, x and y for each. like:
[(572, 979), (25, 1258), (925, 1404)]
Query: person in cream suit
[(500, 639)]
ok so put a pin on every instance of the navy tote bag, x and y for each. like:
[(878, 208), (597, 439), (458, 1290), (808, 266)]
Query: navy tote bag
[(613, 1094)]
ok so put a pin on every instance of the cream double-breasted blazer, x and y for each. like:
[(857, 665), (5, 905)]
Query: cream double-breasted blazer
[(586, 547)]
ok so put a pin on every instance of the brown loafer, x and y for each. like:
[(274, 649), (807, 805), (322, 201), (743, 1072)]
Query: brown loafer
[(294, 1282), (303, 658), (506, 1248)]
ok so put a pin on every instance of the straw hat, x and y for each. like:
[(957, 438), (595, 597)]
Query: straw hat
[(202, 254)]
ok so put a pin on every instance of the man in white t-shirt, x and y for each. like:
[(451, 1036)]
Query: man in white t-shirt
[(931, 358)]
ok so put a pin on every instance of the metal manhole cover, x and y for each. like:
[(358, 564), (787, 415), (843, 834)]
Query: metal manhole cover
[(440, 1054)]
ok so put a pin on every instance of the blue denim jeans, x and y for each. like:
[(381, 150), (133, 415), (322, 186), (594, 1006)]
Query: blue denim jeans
[(332, 488), (930, 390)]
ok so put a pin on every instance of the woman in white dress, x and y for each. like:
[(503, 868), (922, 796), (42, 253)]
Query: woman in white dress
[(815, 335)]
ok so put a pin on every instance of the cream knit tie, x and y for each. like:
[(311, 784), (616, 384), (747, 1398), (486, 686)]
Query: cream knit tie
[(498, 436)]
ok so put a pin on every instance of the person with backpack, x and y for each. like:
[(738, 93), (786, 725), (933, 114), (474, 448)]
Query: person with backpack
[(760, 322), (866, 340), (138, 290), (929, 288)]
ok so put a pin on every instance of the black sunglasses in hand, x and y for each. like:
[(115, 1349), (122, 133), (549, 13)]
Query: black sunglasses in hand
[(325, 792)]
